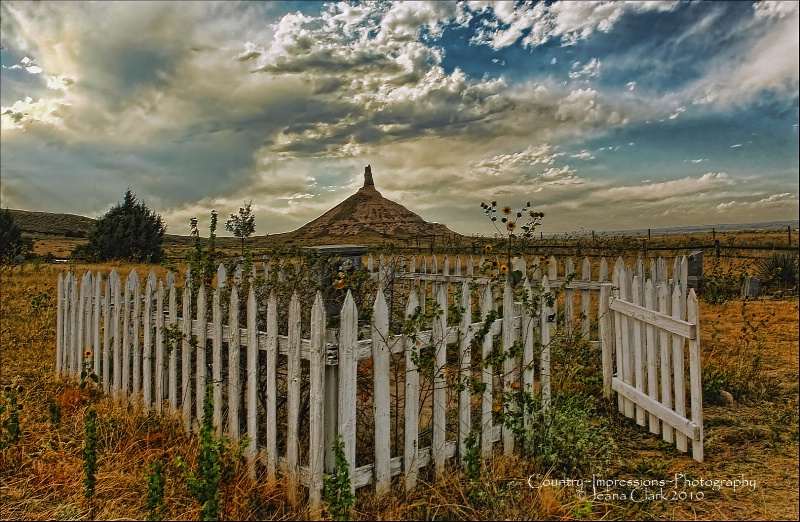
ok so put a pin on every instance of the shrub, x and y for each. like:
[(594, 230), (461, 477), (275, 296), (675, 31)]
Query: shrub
[(12, 244), (565, 439), (778, 271), (128, 231)]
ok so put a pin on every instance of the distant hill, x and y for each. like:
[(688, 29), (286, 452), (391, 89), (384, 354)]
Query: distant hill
[(51, 223)]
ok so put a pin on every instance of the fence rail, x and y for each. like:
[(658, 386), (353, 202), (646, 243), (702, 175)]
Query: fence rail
[(292, 392)]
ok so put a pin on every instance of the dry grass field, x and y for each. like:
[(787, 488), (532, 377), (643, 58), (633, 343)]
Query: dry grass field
[(751, 345)]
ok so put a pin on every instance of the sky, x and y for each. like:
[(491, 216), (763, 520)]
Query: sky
[(604, 115)]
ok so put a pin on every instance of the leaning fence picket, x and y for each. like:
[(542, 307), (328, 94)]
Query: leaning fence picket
[(652, 363)]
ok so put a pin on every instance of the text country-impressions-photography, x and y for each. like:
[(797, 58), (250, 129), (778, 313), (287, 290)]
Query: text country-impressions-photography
[(682, 487)]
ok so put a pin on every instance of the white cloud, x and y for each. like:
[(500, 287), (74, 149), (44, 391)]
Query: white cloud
[(579, 105), (590, 69), (769, 60), (568, 21)]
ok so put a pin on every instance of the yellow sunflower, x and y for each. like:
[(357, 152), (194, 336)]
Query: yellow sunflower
[(506, 210), (488, 248), (503, 268), (87, 353), (511, 225)]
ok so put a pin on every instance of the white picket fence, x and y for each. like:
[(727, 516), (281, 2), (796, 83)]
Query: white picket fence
[(124, 327)]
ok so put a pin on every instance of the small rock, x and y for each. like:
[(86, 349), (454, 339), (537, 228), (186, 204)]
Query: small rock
[(727, 398)]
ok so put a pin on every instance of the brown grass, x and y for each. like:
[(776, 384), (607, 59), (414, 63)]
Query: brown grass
[(41, 475)]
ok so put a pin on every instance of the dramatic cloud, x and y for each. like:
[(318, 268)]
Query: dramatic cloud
[(203, 105)]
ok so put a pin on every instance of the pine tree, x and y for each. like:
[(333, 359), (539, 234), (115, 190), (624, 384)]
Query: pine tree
[(129, 231), (12, 243)]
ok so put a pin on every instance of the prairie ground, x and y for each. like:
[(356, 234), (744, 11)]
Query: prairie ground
[(749, 347)]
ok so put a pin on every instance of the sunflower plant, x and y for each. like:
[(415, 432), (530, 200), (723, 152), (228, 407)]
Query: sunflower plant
[(511, 225)]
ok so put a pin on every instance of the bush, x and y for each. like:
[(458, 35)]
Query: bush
[(778, 271), (12, 244), (128, 231)]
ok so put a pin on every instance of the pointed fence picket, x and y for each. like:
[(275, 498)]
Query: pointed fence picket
[(154, 351)]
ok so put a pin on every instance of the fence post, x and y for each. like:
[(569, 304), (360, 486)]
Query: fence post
[(348, 375), (147, 355), (677, 367), (664, 347), (544, 358), (201, 372), (508, 362), (293, 376), (172, 375), (439, 381), (411, 409), (606, 338), (117, 362), (465, 352), (98, 281), (74, 348), (586, 296), (136, 348), (316, 459), (234, 352), (638, 349), (528, 370), (695, 384), (652, 363), (216, 358), (271, 392), (380, 404), (569, 299), (107, 326), (126, 338), (79, 352), (487, 435), (60, 326), (186, 352)]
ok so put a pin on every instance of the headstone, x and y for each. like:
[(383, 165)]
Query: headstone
[(750, 288), (695, 277), (348, 259)]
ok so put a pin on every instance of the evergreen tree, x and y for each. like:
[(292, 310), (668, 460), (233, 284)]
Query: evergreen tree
[(129, 231), (12, 243)]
